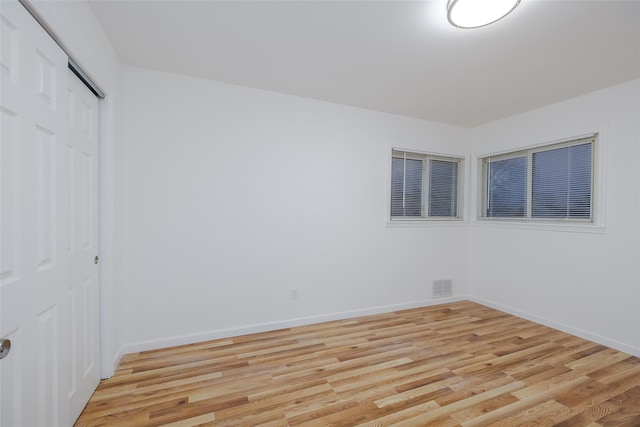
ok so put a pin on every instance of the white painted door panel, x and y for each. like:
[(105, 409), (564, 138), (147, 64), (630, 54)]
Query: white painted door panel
[(82, 154), (41, 288), (34, 262)]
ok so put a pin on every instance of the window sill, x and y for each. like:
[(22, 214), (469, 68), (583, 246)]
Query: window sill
[(425, 222), (569, 227)]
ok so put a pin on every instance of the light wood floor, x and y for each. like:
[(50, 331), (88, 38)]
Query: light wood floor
[(459, 364)]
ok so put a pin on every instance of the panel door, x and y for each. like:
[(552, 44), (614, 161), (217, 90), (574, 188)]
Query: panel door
[(82, 248), (37, 293)]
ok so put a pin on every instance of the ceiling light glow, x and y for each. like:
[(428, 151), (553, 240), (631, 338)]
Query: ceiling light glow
[(478, 13)]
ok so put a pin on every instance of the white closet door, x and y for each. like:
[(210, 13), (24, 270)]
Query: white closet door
[(39, 299), (82, 151)]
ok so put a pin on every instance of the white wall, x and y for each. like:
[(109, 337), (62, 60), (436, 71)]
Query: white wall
[(222, 198), (232, 196), (77, 26), (587, 283), (194, 246)]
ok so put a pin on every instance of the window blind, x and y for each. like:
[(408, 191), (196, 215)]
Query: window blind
[(406, 187), (443, 188), (423, 186), (507, 192), (551, 182), (562, 182)]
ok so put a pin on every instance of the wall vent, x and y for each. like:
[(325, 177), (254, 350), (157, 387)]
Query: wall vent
[(441, 288)]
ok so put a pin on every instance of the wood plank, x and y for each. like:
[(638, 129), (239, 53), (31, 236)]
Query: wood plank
[(459, 364)]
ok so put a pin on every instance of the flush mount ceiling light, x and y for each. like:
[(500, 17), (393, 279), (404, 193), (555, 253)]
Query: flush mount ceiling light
[(478, 13)]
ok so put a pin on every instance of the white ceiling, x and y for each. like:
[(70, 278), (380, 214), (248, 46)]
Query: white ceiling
[(396, 56)]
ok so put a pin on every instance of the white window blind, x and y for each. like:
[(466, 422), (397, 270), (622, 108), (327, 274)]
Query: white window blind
[(507, 190), (551, 182), (424, 186), (406, 187), (443, 188), (562, 182)]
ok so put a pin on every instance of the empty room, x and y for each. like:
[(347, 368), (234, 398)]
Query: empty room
[(320, 213)]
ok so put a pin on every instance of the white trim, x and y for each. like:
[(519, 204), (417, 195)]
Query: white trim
[(432, 154), (426, 221), (638, 242), (281, 324), (635, 351), (599, 172), (543, 146), (568, 226), (303, 321), (600, 177), (107, 300)]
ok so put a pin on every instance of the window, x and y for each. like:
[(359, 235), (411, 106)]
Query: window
[(424, 186), (552, 182)]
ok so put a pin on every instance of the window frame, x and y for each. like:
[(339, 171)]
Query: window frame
[(596, 175), (426, 188)]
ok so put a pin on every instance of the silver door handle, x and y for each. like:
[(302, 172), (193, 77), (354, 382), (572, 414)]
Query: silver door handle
[(5, 348)]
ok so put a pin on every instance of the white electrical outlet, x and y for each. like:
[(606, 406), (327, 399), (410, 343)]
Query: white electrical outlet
[(294, 293)]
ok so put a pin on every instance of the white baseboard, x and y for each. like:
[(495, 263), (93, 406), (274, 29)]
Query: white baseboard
[(561, 327), (272, 326), (301, 321)]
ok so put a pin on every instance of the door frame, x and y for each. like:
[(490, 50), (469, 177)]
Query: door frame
[(110, 326)]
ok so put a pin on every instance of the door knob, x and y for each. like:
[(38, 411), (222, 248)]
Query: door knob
[(95, 260), (5, 348)]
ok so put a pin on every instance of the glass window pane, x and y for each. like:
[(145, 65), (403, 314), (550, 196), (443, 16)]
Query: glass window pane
[(507, 192), (550, 184), (580, 178), (406, 187), (413, 188), (562, 183), (443, 188)]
